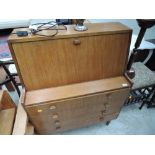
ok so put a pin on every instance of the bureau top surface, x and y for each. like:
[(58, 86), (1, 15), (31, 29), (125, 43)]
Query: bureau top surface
[(75, 90), (93, 29)]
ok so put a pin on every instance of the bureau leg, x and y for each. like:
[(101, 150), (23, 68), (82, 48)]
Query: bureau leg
[(108, 122)]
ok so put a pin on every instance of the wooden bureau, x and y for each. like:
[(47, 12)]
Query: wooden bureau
[(73, 79), (61, 108), (45, 62)]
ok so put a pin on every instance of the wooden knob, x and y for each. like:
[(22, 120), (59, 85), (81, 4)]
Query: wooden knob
[(103, 111), (76, 42), (55, 116), (58, 127), (39, 110), (101, 118), (52, 107), (109, 96), (57, 123)]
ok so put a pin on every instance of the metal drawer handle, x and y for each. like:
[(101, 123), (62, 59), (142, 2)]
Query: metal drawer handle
[(52, 107), (76, 42)]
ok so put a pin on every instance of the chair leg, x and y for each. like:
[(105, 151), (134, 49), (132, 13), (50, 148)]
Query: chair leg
[(143, 103), (10, 86), (151, 104), (12, 79)]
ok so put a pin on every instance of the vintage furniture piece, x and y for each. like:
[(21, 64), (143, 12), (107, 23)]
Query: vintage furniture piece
[(144, 80), (13, 119), (21, 124), (7, 113), (75, 78)]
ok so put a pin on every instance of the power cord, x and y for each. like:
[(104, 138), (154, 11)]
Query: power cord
[(38, 27), (49, 26)]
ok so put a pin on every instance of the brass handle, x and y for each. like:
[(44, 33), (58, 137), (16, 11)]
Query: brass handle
[(76, 42)]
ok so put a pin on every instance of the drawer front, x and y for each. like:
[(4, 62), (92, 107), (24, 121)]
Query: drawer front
[(76, 112), (47, 127), (62, 61), (71, 107), (115, 100)]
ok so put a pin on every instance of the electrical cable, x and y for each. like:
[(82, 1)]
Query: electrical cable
[(51, 27)]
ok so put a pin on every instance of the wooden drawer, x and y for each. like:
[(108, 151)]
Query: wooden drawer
[(69, 113), (46, 125), (70, 107)]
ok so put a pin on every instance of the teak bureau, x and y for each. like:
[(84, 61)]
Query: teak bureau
[(75, 78)]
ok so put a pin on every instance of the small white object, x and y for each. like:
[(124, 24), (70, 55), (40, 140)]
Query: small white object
[(33, 27), (124, 85)]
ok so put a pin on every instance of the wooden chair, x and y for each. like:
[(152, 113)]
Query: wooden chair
[(142, 77), (13, 119), (22, 126), (7, 113), (7, 78)]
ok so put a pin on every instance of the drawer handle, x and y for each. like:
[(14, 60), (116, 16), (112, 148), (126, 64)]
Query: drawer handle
[(57, 123), (39, 110), (52, 107), (108, 96), (58, 127), (101, 118), (103, 111), (55, 116), (76, 42)]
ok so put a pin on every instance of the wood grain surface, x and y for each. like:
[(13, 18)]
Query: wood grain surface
[(77, 105), (21, 119), (69, 91), (51, 63), (7, 117), (6, 101), (93, 29)]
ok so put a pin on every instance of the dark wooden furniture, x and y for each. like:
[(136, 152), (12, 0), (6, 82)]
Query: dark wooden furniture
[(73, 79), (8, 77), (142, 77), (144, 24)]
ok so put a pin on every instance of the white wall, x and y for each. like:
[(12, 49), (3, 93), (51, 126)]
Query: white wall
[(12, 23), (150, 33)]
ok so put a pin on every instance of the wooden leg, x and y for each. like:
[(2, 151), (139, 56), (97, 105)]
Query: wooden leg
[(144, 102)]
